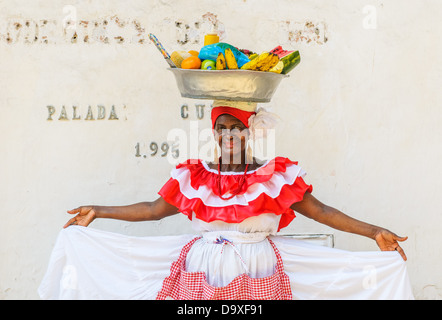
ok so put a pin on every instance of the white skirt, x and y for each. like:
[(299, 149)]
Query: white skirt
[(87, 263)]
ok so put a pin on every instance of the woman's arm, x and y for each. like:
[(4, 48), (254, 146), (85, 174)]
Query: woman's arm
[(314, 209), (143, 211)]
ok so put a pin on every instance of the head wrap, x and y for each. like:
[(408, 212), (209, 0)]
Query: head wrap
[(240, 110), (258, 120)]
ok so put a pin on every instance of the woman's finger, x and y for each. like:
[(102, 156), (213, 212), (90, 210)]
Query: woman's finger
[(401, 252), (74, 211), (401, 238), (71, 221)]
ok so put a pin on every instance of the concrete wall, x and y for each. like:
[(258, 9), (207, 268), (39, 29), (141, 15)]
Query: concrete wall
[(361, 115)]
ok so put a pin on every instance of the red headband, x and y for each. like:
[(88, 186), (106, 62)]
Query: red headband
[(241, 115)]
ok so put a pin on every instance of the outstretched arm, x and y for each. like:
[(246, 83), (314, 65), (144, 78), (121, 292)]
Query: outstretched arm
[(143, 211), (314, 209)]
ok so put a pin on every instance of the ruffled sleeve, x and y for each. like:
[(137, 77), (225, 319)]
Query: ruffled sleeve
[(272, 188)]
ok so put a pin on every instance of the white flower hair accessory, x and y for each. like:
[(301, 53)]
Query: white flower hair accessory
[(261, 122)]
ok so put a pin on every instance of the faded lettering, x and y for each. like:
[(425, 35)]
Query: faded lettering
[(70, 28), (199, 111), (99, 112)]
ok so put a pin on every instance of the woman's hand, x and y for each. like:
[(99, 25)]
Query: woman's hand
[(388, 241), (143, 211), (85, 215), (314, 209)]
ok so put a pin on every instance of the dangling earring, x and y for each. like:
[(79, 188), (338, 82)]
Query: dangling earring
[(249, 152), (215, 154)]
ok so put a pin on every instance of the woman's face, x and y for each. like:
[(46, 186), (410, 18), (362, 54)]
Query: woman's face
[(231, 135)]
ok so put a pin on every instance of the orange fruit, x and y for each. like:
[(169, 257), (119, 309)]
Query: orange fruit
[(191, 63), (194, 53)]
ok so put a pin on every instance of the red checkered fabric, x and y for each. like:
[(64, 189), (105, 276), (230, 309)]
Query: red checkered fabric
[(183, 285)]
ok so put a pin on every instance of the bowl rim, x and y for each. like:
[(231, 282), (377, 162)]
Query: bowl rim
[(220, 72), (183, 76)]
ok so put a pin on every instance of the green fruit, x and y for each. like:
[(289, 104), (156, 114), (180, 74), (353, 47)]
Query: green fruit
[(290, 61), (208, 65)]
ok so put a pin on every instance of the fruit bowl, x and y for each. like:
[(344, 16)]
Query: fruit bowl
[(240, 85)]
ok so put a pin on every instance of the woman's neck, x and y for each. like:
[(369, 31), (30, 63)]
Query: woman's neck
[(230, 166)]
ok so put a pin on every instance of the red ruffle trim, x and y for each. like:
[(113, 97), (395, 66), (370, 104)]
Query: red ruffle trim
[(237, 213), (199, 175)]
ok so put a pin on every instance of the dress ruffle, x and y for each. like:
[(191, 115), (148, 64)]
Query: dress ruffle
[(202, 175), (272, 188)]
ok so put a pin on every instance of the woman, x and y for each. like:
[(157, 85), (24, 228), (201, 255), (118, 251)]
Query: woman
[(238, 204)]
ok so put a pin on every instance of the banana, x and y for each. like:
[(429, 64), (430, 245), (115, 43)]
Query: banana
[(270, 61), (251, 65), (230, 59), (220, 62), (264, 62)]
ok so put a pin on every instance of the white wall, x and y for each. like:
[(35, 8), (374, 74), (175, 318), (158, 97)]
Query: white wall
[(362, 116)]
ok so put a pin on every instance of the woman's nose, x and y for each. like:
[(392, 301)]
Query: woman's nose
[(228, 132)]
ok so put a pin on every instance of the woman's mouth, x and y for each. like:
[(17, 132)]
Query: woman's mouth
[(230, 143)]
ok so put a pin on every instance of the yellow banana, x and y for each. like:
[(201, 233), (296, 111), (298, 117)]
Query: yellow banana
[(251, 65), (220, 62), (256, 63), (273, 62), (264, 62), (230, 59), (267, 61)]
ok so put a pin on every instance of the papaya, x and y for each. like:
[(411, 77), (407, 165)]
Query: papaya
[(290, 61)]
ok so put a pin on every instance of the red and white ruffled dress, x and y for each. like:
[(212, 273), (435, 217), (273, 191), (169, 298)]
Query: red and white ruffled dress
[(235, 212), (235, 253)]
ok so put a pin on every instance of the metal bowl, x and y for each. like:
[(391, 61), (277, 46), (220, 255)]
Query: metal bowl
[(240, 85)]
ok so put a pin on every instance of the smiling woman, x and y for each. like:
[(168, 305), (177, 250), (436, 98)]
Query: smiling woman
[(234, 125), (238, 204), (231, 135)]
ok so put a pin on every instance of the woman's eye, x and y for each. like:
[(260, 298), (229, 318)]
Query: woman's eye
[(233, 130), (238, 128)]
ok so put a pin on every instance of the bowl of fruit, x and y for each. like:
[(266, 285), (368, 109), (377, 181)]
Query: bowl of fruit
[(222, 71)]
